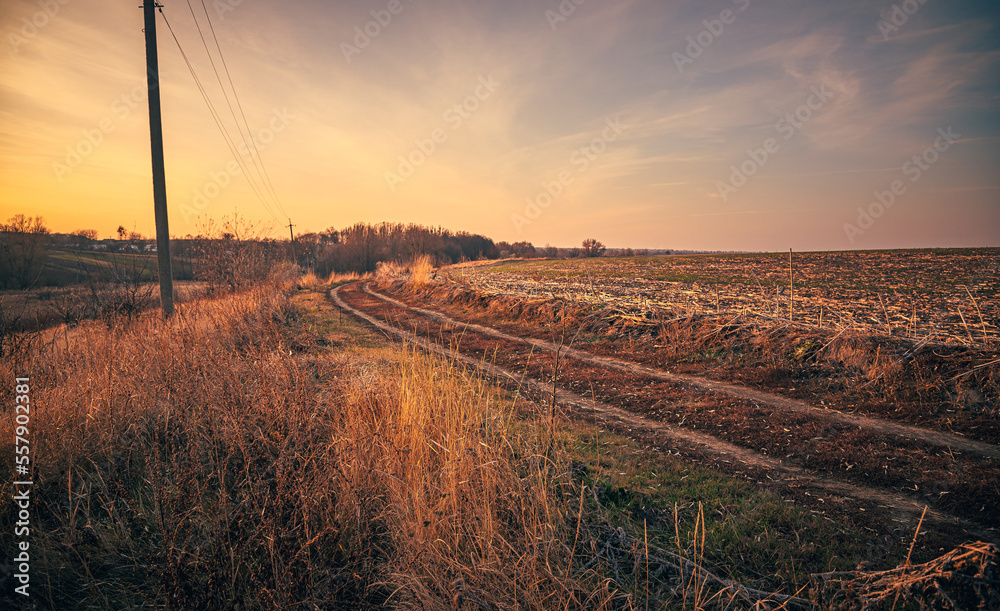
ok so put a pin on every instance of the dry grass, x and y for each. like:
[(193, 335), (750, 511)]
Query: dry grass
[(338, 278), (389, 270), (220, 460), (964, 578), (310, 280), (421, 269), (252, 454)]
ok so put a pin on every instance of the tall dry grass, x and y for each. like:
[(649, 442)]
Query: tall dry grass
[(218, 460), (389, 270), (421, 269), (340, 278), (418, 270)]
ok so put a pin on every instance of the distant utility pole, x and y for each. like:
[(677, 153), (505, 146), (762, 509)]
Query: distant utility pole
[(159, 176), (292, 235), (791, 285)]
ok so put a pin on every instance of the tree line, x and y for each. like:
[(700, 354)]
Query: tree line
[(235, 251), (362, 246)]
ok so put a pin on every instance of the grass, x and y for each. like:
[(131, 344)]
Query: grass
[(750, 535), (260, 451), (421, 269), (40, 308), (64, 267), (225, 458)]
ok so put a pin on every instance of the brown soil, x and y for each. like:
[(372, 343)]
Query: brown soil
[(943, 387), (861, 470)]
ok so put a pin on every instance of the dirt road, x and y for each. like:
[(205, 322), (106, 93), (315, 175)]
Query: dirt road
[(864, 471)]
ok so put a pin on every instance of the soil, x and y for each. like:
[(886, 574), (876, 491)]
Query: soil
[(855, 468)]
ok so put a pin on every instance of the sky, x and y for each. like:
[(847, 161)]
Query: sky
[(745, 125)]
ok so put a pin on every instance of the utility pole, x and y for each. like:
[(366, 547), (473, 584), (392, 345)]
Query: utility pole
[(791, 285), (292, 235), (159, 176)]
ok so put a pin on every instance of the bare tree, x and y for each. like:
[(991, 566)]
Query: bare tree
[(23, 248), (119, 291), (592, 248), (234, 254)]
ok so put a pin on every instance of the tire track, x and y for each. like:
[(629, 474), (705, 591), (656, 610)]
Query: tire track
[(778, 472), (936, 438)]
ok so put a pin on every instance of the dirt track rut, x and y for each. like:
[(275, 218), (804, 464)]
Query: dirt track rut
[(896, 507), (892, 428)]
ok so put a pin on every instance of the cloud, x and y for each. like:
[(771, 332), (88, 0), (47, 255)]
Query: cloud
[(355, 118)]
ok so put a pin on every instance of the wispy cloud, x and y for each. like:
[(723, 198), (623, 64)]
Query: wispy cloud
[(657, 182)]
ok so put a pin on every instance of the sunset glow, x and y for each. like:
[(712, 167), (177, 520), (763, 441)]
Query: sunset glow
[(729, 125)]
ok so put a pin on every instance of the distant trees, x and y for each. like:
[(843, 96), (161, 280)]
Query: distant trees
[(360, 247), (80, 238), (23, 246), (308, 247), (592, 248), (524, 250)]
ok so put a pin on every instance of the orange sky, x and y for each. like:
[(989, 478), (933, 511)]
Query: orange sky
[(627, 121)]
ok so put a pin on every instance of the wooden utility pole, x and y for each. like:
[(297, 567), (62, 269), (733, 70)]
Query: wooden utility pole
[(791, 285), (159, 176), (292, 236)]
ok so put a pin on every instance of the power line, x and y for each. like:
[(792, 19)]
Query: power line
[(225, 94), (239, 105), (219, 123)]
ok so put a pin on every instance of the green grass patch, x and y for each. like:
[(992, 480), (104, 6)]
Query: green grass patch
[(752, 536)]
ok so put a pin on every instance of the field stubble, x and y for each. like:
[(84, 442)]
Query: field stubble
[(948, 296)]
